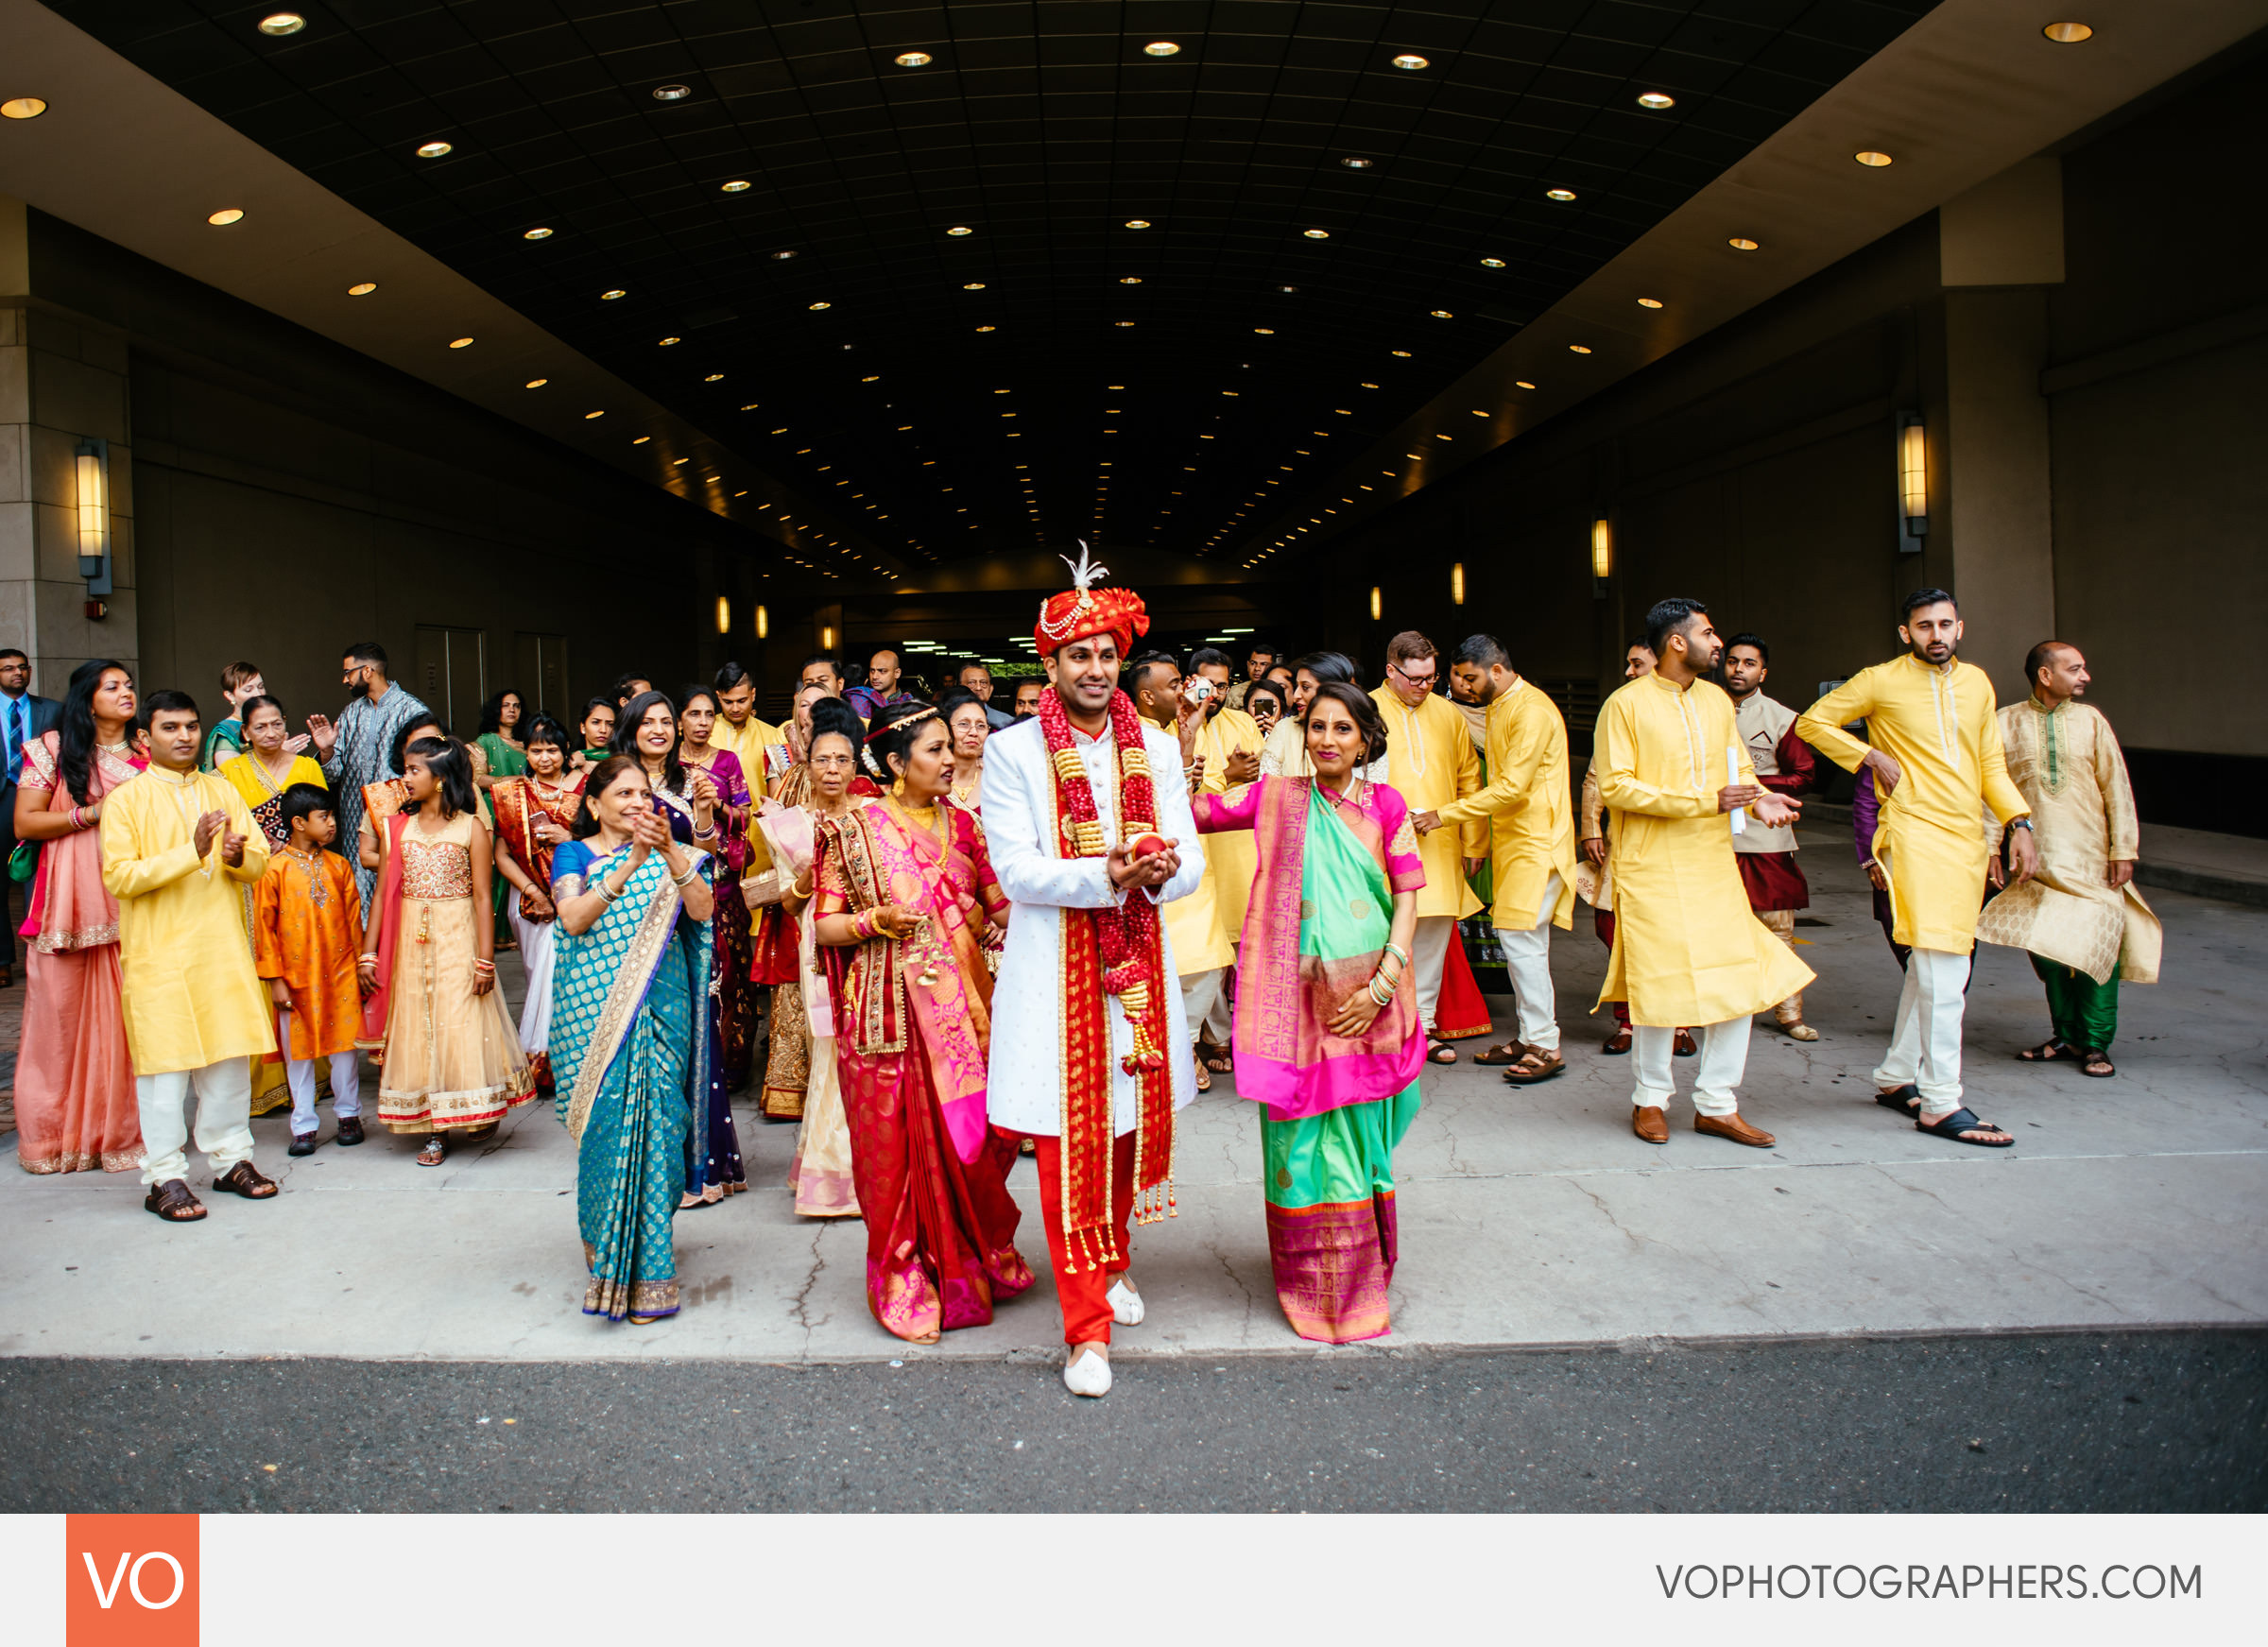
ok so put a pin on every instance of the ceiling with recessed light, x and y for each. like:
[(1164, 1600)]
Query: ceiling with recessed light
[(983, 276)]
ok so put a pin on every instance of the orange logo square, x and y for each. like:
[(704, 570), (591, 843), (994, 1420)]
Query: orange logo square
[(131, 1581)]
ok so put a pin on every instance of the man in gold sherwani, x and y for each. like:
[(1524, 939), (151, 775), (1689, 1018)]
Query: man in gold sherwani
[(1527, 811), (1933, 752), (1674, 772), (179, 848), (2079, 917), (1430, 759)]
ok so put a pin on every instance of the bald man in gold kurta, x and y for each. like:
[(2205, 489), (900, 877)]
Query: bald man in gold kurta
[(1933, 752), (1688, 950)]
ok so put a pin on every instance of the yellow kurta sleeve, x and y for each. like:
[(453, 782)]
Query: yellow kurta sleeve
[(1512, 761), (129, 867), (1472, 835), (1625, 786), (1821, 726)]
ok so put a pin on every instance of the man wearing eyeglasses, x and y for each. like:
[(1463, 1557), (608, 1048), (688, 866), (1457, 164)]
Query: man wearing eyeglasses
[(1430, 760), (358, 750)]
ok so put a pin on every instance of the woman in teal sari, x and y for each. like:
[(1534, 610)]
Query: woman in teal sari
[(1327, 1033), (629, 1034)]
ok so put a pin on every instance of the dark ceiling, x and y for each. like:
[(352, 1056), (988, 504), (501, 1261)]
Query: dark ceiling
[(1053, 373)]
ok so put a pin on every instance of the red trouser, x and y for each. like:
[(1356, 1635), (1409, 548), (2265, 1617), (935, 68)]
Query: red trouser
[(1081, 1291)]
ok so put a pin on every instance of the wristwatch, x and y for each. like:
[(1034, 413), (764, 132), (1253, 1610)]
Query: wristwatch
[(2020, 823)]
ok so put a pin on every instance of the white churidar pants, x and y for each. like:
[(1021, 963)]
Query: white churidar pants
[(1429, 955), (1528, 964), (224, 1118), (1724, 1060), (1219, 1029), (1199, 990), (299, 1074), (1925, 1044)]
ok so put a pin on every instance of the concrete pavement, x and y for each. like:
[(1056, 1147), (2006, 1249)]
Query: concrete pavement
[(1529, 1218)]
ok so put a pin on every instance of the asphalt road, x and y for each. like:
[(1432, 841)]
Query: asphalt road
[(2140, 1421)]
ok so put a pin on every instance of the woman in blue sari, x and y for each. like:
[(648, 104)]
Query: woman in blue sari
[(630, 1038)]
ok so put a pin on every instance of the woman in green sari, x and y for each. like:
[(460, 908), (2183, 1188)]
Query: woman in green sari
[(1326, 1033), (629, 1034), (499, 740)]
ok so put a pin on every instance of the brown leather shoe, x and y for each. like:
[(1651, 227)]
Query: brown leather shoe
[(247, 1180), (1649, 1122), (1732, 1126), (1618, 1042), (1685, 1046)]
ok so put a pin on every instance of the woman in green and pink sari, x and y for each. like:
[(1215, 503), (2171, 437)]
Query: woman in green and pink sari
[(1328, 1039)]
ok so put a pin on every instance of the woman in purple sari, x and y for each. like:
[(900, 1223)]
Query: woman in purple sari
[(735, 931), (1328, 1039)]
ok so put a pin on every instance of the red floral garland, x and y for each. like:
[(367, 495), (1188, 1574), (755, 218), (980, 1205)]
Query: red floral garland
[(1128, 932)]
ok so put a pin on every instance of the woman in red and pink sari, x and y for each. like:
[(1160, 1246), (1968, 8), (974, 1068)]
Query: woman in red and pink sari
[(1327, 1033), (74, 1082), (903, 883)]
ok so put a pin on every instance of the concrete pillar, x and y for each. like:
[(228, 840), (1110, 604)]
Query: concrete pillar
[(62, 381), (1999, 247)]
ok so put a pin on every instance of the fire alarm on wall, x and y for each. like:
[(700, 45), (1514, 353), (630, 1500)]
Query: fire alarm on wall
[(98, 609)]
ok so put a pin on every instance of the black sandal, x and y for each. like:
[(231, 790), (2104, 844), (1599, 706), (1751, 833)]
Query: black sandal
[(247, 1180), (2096, 1062), (173, 1202), (1906, 1100), (1965, 1120), (2049, 1052)]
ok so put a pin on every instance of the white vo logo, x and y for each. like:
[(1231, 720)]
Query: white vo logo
[(129, 1572)]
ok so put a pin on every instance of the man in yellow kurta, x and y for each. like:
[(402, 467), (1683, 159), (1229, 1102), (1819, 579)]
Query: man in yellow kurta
[(1430, 760), (178, 849), (1527, 809), (738, 729), (2080, 917), (1193, 924), (1688, 950), (1229, 743), (1934, 753)]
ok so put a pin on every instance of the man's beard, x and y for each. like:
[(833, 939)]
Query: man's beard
[(360, 689)]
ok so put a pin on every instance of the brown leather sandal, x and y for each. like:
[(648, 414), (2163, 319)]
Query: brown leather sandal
[(1502, 1055), (173, 1202), (1537, 1065), (247, 1180)]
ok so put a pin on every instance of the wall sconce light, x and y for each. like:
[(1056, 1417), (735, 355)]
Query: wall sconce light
[(764, 624), (95, 515), (724, 615), (826, 637), (1601, 555), (1374, 603), (1456, 583), (1912, 484)]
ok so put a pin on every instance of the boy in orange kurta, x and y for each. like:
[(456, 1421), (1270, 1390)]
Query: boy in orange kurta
[(306, 934)]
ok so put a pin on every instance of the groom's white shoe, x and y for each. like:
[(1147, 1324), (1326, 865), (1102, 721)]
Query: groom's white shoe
[(1088, 1375), (1125, 1304)]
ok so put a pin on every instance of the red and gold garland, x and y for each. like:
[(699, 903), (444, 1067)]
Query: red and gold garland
[(1113, 950)]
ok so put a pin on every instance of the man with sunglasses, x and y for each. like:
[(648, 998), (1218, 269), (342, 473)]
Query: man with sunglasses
[(359, 749), (1430, 760)]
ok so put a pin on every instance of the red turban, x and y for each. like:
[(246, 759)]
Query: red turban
[(1081, 612)]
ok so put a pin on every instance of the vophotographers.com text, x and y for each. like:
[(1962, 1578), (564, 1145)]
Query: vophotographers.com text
[(1884, 1580)]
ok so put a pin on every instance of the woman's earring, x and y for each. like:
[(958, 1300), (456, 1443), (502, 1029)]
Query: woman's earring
[(898, 787)]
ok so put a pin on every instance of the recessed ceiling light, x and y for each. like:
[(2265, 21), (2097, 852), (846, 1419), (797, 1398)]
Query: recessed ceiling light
[(781, 256), (281, 23), (24, 108), (537, 234), (960, 229), (875, 379), (1443, 314), (1129, 280), (1649, 303), (1369, 386), (714, 377), (1655, 100), (987, 328), (1476, 412), (1492, 263), (737, 186), (1317, 234), (435, 150), (1356, 162), (1138, 223), (750, 407), (2069, 33), (1741, 242), (461, 343), (363, 289), (537, 383), (1263, 331), (609, 297), (1521, 382), (1122, 322), (1871, 157), (1409, 59), (588, 416), (912, 60), (1402, 353), (1579, 348), (819, 306), (972, 286), (667, 341), (1561, 195), (671, 94), (1161, 48), (227, 215), (642, 440)]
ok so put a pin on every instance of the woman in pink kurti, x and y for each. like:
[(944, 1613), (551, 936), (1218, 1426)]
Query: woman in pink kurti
[(1328, 1039), (74, 1081)]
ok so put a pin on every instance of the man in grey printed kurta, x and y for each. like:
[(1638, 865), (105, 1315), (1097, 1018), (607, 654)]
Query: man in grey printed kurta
[(357, 750)]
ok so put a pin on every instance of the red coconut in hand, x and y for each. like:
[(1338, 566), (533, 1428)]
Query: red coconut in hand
[(1146, 846)]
